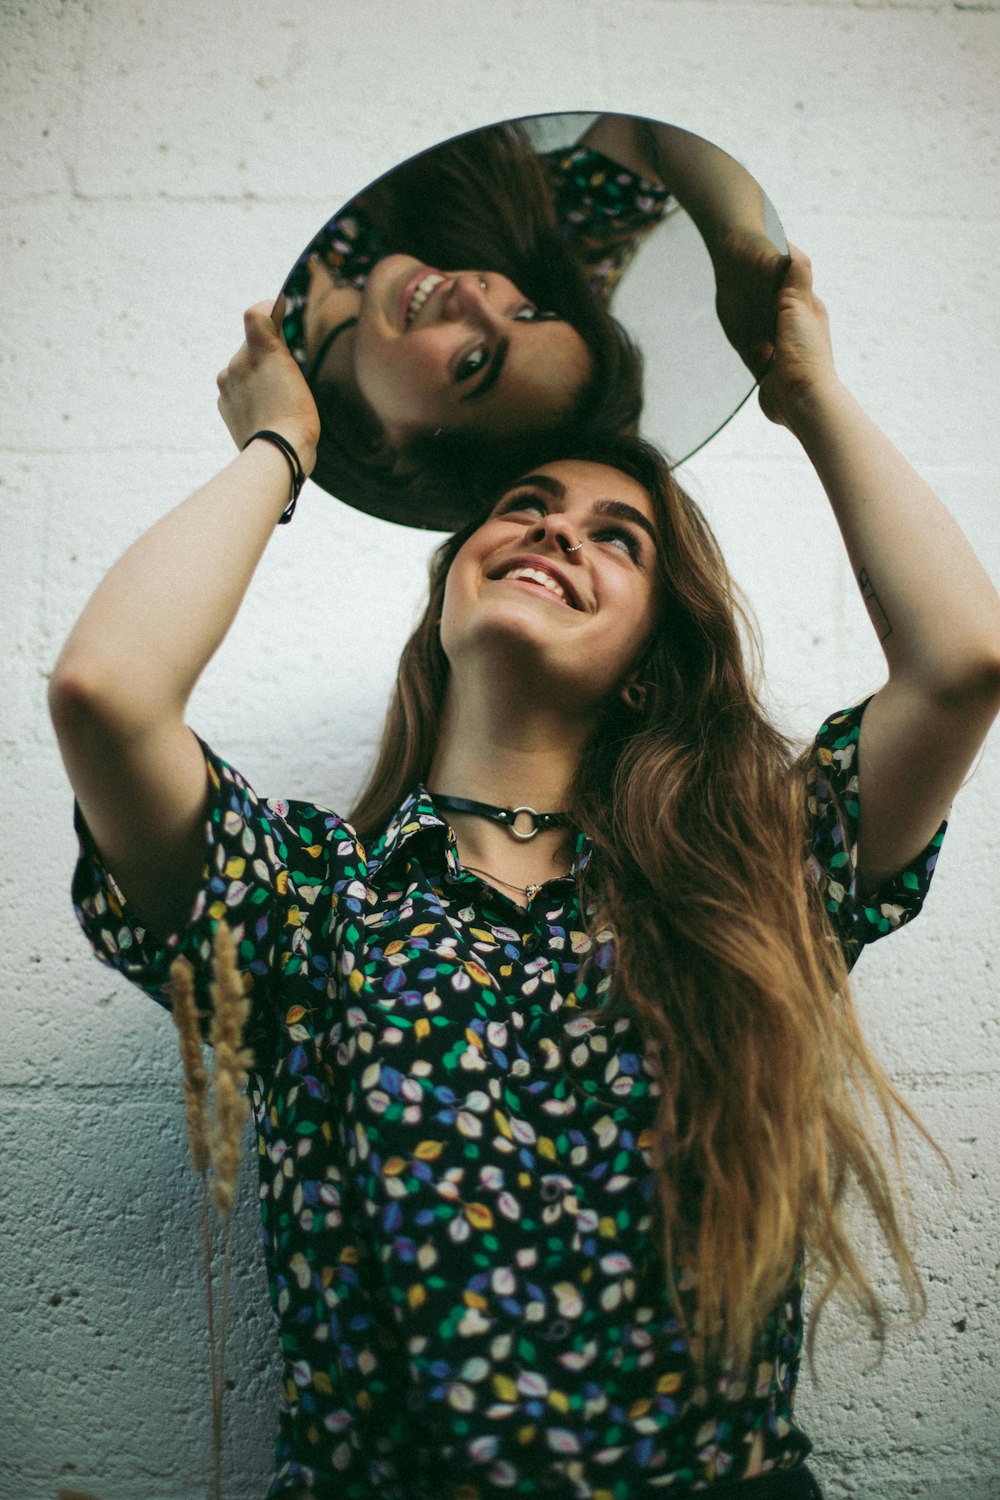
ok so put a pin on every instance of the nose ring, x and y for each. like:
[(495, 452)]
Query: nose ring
[(567, 550)]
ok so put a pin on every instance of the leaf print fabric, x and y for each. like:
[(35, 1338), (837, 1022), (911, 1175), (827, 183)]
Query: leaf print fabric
[(456, 1191)]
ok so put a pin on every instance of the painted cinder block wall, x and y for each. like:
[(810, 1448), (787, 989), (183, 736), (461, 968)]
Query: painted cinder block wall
[(161, 168)]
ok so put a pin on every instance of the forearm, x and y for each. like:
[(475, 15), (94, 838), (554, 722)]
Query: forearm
[(933, 607), (159, 615), (716, 191)]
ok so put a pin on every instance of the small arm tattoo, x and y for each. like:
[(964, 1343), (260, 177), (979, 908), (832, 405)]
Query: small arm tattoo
[(878, 616)]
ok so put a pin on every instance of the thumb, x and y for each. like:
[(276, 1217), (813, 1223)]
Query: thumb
[(798, 276), (260, 330)]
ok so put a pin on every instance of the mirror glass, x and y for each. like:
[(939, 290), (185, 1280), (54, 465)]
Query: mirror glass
[(534, 278)]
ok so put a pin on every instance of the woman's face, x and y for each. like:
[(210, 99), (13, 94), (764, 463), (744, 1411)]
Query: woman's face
[(564, 575), (462, 350)]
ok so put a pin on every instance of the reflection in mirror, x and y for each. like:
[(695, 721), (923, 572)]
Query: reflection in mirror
[(508, 286)]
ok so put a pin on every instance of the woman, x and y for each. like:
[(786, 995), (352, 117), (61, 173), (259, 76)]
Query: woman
[(546, 1122)]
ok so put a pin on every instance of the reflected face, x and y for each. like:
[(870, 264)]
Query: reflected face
[(462, 349), (564, 569)]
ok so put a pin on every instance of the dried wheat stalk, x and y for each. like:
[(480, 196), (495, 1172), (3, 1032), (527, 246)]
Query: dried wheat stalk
[(215, 1142), (195, 1081), (230, 1011)]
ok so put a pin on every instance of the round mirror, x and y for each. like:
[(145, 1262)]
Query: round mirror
[(523, 283)]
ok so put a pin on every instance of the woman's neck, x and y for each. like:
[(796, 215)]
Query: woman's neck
[(508, 754), (329, 305)]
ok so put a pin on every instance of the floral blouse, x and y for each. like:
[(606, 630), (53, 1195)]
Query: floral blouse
[(603, 208), (456, 1189)]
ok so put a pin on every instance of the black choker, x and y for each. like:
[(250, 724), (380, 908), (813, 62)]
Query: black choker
[(506, 815), (316, 364)]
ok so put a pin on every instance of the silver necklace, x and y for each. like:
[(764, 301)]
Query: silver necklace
[(529, 890)]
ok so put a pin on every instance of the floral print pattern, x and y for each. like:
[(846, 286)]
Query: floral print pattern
[(454, 1160)]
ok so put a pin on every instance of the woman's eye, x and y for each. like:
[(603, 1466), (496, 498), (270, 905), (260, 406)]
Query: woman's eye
[(531, 314), (621, 539), (519, 504), (472, 364)]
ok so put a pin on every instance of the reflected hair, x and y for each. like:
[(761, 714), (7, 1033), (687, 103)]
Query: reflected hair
[(493, 208), (774, 1117)]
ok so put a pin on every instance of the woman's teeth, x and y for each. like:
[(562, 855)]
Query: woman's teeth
[(535, 575), (423, 291)]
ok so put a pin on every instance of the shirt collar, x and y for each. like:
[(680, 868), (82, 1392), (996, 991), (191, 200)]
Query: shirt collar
[(417, 817)]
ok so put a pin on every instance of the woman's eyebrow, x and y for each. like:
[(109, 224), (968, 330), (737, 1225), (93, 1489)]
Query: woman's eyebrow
[(492, 375), (540, 482), (622, 511)]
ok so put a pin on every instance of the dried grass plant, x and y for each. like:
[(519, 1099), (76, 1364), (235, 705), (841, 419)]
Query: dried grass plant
[(215, 1112), (215, 1134)]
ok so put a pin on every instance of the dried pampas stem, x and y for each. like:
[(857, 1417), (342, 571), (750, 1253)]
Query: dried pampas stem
[(215, 1143), (195, 1090), (195, 1082), (230, 1010)]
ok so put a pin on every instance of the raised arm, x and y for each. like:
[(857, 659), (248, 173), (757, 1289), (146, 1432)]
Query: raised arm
[(120, 687), (727, 207), (934, 609)]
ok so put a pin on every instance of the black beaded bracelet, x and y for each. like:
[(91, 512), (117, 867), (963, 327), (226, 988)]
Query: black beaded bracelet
[(298, 473)]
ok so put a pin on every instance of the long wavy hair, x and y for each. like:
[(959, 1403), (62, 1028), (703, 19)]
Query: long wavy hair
[(482, 201), (773, 1113)]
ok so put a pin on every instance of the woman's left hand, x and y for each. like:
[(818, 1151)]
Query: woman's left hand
[(801, 366)]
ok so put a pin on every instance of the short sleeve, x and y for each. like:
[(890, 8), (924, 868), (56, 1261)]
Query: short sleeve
[(832, 810), (268, 868), (604, 210), (349, 247)]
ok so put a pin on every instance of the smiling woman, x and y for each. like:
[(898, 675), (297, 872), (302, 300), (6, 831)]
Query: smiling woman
[(466, 351), (564, 569), (558, 1077)]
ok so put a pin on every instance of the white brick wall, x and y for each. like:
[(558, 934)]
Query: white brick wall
[(161, 167)]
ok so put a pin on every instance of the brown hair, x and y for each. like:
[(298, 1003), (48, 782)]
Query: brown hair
[(492, 209), (771, 1102)]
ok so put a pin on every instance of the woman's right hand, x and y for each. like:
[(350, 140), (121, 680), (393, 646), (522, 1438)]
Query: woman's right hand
[(263, 387)]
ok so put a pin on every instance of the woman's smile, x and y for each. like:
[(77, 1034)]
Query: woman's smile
[(416, 291), (578, 539), (537, 574), (460, 349)]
